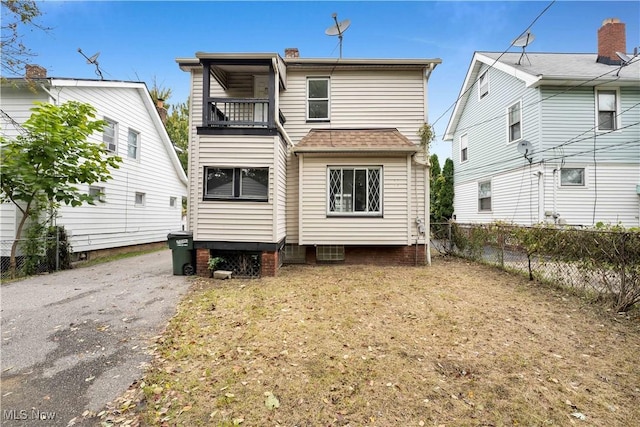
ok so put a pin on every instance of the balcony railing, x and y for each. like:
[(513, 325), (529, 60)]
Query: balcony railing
[(237, 112)]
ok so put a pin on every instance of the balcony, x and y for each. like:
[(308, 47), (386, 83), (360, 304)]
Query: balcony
[(237, 112)]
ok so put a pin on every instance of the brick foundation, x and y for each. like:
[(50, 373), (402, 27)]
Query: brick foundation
[(202, 262), (269, 264), (385, 255)]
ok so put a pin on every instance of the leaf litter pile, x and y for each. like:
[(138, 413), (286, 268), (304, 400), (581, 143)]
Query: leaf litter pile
[(454, 344)]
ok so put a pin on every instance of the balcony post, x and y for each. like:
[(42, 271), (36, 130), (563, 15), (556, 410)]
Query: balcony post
[(206, 81), (272, 97)]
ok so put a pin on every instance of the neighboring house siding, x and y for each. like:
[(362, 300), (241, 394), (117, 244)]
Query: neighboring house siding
[(319, 229), (485, 123), (235, 221), (569, 119), (359, 99), (281, 189), (118, 221), (612, 198)]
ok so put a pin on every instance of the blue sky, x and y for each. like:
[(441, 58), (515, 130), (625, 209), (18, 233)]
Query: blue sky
[(140, 40)]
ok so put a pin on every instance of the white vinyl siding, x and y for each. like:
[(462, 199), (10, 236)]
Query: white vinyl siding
[(316, 227), (233, 221), (365, 99)]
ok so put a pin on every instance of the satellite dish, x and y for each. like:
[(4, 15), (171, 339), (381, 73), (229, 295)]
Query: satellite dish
[(526, 149), (93, 59), (624, 57), (523, 41), (338, 29)]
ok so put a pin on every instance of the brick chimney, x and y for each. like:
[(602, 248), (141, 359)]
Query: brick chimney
[(35, 72), (611, 39), (161, 110), (291, 52)]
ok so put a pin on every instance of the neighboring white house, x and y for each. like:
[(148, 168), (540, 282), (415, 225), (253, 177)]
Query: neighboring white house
[(307, 160), (143, 201), (550, 137)]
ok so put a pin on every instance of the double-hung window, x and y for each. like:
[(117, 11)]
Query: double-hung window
[(318, 98), (607, 101), (572, 177), (484, 196), (483, 85), (236, 183), (354, 191), (515, 122), (464, 143), (110, 135), (133, 144)]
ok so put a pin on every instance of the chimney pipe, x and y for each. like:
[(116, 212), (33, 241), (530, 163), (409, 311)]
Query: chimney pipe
[(611, 39), (291, 52), (162, 112)]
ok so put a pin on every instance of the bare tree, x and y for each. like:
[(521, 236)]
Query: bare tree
[(17, 14)]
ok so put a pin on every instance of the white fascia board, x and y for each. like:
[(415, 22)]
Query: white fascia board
[(527, 78), (96, 83), (461, 100)]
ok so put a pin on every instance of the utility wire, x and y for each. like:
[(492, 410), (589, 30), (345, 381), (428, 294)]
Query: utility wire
[(494, 62)]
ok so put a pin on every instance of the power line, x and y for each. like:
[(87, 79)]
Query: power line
[(494, 62)]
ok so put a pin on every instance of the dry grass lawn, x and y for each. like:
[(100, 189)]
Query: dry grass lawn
[(455, 344)]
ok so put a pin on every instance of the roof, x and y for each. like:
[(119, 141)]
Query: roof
[(538, 69), (355, 140)]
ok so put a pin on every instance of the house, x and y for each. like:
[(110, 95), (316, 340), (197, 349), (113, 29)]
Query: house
[(143, 201), (549, 137), (307, 160)]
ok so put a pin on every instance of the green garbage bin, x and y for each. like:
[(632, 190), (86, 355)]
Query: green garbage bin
[(181, 244)]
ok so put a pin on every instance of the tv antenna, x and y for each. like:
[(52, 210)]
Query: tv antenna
[(525, 148), (338, 29), (93, 60), (523, 41), (625, 59)]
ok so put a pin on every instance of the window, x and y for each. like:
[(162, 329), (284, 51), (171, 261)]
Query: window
[(483, 85), (172, 202), (484, 196), (318, 98), (463, 148), (607, 109), (140, 199), (572, 177), (97, 193), (237, 183), (110, 135), (330, 253), (355, 191), (133, 144), (515, 122)]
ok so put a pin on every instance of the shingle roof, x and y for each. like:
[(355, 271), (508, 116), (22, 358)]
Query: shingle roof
[(355, 140)]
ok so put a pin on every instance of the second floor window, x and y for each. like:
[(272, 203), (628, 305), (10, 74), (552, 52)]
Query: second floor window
[(483, 85), (318, 98), (110, 135), (133, 148), (464, 155), (237, 183), (515, 122), (607, 109)]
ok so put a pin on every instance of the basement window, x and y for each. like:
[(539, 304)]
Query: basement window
[(330, 253), (572, 177)]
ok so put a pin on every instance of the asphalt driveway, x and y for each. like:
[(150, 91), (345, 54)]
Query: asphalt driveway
[(74, 340)]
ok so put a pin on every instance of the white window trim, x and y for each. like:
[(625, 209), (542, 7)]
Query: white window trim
[(521, 123), (466, 136), (144, 199), (115, 136), (173, 202), (483, 211), (481, 95), (102, 197), (377, 214), (618, 116), (138, 143), (317, 119), (574, 187)]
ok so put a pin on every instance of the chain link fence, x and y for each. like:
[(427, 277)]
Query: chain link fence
[(605, 263), (32, 256)]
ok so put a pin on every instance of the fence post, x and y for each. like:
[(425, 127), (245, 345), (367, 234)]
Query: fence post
[(449, 237)]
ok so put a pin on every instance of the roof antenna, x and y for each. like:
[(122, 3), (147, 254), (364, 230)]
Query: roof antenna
[(625, 59), (93, 60), (338, 29), (523, 41), (526, 149)]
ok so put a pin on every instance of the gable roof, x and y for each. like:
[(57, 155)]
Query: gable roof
[(142, 90), (538, 69), (355, 140)]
